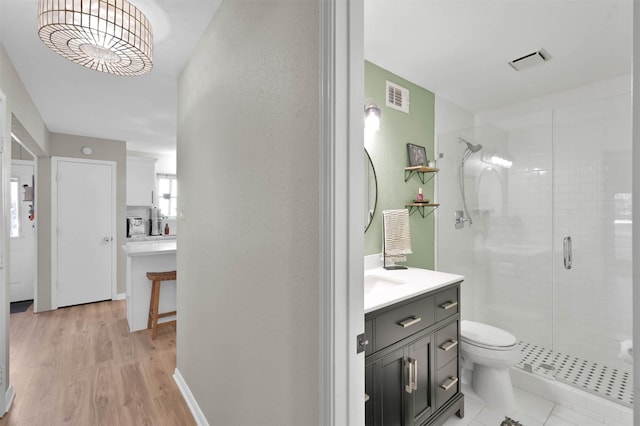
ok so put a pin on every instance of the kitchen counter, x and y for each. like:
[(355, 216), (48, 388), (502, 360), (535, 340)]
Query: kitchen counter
[(384, 288), (143, 257), (145, 248), (151, 238)]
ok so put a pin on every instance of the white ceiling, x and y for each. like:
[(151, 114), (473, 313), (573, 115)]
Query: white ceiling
[(458, 49), (76, 100)]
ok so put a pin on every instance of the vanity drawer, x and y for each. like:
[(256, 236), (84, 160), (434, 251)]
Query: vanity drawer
[(446, 344), (447, 303), (403, 321), (447, 383)]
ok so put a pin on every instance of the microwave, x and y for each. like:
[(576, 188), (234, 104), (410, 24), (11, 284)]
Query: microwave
[(135, 227)]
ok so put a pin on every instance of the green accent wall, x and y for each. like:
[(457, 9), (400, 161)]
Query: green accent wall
[(388, 151)]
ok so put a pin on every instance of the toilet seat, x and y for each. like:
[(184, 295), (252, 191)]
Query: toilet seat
[(486, 336)]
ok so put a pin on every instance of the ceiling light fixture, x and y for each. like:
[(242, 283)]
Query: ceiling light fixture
[(111, 36), (371, 116)]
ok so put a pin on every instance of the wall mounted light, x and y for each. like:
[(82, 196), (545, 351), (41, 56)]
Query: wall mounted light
[(111, 36), (371, 116)]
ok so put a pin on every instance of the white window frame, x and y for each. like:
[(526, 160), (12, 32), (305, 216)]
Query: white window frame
[(174, 200)]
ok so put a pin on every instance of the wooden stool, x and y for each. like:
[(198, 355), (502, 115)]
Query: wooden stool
[(156, 279)]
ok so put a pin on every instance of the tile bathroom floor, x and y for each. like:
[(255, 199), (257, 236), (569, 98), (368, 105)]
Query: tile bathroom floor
[(531, 410)]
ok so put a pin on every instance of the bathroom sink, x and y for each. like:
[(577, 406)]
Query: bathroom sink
[(378, 282)]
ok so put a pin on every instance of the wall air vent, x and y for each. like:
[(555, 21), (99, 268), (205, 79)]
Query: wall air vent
[(529, 60), (397, 97)]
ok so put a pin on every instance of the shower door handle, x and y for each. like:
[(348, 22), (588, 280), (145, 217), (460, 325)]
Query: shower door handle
[(567, 251)]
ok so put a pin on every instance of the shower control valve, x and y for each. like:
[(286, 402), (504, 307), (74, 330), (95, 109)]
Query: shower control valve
[(460, 219)]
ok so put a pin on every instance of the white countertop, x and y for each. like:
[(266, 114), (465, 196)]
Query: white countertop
[(147, 248), (146, 238), (401, 285)]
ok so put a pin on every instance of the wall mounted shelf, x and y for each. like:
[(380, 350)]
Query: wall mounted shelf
[(420, 171), (420, 208)]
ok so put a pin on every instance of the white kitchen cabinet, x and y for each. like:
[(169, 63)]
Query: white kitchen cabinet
[(141, 181)]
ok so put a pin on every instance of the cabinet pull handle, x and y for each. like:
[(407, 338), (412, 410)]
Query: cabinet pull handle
[(449, 345), (409, 322), (366, 397), (452, 382), (415, 374), (449, 305), (409, 387)]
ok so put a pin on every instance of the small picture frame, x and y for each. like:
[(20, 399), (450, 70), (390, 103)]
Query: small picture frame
[(417, 155)]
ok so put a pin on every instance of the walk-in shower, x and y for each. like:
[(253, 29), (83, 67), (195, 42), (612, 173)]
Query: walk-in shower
[(568, 174)]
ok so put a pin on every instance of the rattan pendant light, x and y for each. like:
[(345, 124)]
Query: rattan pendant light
[(111, 36)]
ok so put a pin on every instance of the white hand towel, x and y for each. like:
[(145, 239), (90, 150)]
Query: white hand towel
[(397, 235)]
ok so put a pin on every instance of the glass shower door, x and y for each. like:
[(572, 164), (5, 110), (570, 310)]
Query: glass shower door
[(517, 237), (548, 256), (506, 255), (592, 246)]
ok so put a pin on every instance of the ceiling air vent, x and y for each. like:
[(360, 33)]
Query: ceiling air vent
[(529, 60), (397, 97)]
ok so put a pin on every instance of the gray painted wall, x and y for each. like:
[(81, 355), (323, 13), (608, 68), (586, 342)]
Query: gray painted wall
[(43, 220), (19, 153), (248, 258), (18, 106)]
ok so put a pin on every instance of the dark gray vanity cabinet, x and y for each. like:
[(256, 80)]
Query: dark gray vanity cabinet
[(411, 365)]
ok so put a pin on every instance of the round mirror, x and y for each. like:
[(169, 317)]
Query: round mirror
[(370, 190)]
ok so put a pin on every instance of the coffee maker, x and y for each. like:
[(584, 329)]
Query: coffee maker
[(155, 221)]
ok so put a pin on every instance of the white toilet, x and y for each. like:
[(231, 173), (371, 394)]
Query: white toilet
[(489, 352)]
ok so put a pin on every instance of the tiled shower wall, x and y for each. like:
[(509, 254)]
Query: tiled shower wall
[(570, 176)]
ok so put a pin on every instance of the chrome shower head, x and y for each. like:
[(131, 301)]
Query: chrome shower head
[(471, 147)]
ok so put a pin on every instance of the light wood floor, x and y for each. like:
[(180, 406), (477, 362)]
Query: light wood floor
[(81, 366)]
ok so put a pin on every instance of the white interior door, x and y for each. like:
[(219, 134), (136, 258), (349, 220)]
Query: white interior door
[(22, 235), (83, 229)]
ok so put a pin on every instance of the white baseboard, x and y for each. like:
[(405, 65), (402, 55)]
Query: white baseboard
[(198, 415), (120, 296)]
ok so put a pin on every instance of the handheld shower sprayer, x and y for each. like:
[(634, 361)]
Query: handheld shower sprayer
[(471, 149)]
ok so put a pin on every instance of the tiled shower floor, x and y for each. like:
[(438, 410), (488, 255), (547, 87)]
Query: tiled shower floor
[(601, 380)]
